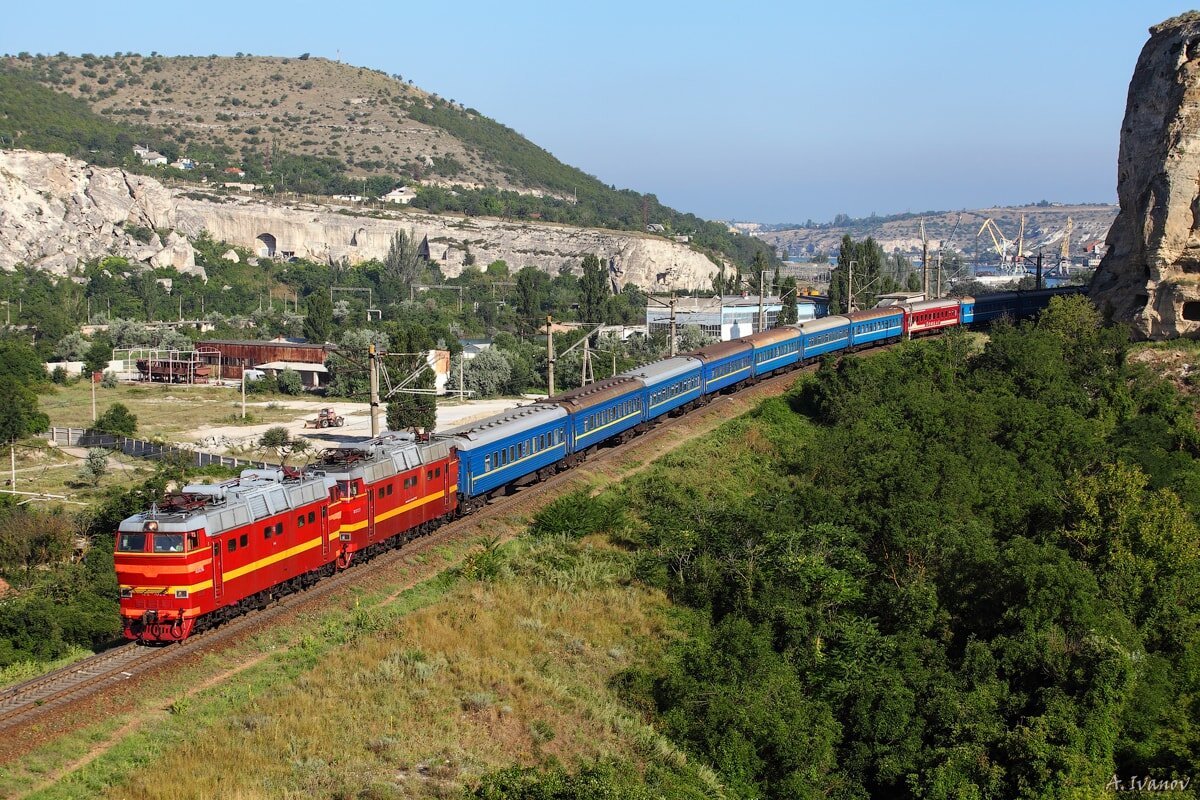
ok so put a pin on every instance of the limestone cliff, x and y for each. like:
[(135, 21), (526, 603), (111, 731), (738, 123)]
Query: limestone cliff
[(56, 211), (323, 234), (1150, 277)]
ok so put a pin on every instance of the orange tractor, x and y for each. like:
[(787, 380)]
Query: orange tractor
[(326, 418)]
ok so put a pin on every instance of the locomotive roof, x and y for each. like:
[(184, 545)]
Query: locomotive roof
[(657, 371), (503, 425), (381, 457), (720, 350), (217, 507), (599, 392)]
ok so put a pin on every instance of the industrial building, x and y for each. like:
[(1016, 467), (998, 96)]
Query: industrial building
[(730, 316), (229, 357)]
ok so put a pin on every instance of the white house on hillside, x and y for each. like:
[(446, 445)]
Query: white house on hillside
[(402, 194)]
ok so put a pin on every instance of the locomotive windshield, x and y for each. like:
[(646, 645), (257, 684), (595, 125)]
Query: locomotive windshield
[(131, 543), (168, 542)]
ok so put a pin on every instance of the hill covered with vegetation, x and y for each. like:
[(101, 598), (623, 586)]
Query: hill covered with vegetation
[(315, 126), (942, 571)]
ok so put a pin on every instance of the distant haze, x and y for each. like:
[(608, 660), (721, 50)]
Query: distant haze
[(763, 111)]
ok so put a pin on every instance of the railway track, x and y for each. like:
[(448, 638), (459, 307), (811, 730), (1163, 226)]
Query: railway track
[(27, 701)]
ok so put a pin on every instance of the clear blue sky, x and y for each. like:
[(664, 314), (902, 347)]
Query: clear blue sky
[(775, 112)]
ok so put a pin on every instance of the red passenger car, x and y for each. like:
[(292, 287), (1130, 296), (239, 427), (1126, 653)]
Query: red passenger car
[(393, 489), (213, 550), (930, 315)]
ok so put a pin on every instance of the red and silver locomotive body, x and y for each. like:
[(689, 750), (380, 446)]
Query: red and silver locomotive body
[(393, 489), (212, 550)]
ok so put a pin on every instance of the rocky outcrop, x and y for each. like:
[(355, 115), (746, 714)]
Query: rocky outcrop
[(56, 211), (1150, 277), (323, 234)]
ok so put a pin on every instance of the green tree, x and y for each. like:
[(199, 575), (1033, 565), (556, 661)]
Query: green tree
[(318, 319), (95, 465), (594, 287), (408, 410), (789, 314), (21, 417), (402, 264), (486, 375), (532, 293), (276, 438), (98, 354), (117, 419), (289, 382)]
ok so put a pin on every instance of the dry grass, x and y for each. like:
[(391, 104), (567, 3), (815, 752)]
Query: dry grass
[(493, 674), (316, 107), (162, 410)]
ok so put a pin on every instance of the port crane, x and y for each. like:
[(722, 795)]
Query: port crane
[(1003, 244)]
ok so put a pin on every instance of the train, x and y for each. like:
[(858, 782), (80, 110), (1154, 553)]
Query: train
[(210, 552)]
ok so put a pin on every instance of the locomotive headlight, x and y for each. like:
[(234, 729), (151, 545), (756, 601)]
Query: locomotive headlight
[(151, 525), (126, 591), (181, 594)]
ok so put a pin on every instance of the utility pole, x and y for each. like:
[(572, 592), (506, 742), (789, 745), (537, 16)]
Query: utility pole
[(243, 391), (586, 375), (12, 465), (674, 340), (762, 310), (92, 380), (1039, 269), (939, 275), (373, 359), (850, 287), (924, 262), (461, 388), (549, 357)]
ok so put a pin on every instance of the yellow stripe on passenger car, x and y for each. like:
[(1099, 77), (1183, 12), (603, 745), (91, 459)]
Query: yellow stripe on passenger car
[(514, 462), (676, 397), (586, 434)]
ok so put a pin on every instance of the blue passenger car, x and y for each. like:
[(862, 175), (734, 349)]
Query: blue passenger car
[(668, 384), (875, 325), (967, 314), (508, 447), (991, 307), (825, 335), (725, 364), (602, 410), (774, 349)]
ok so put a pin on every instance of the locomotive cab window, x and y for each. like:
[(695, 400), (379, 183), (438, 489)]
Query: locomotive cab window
[(168, 542), (193, 540), (312, 517), (132, 543)]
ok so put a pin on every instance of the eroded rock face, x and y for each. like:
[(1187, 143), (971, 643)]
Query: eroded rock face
[(1150, 277), (321, 234), (56, 211)]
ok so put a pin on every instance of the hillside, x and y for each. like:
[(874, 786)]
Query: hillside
[(316, 126), (251, 106), (1044, 226)]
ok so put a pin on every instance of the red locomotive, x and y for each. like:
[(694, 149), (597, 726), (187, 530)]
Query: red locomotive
[(213, 551)]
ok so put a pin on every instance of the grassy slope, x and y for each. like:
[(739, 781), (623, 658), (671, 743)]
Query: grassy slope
[(426, 691)]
